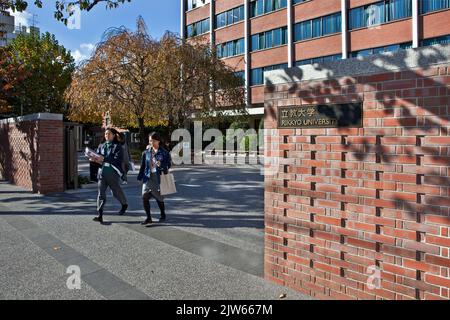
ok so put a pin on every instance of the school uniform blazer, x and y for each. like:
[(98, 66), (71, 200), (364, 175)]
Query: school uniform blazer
[(166, 163), (114, 157)]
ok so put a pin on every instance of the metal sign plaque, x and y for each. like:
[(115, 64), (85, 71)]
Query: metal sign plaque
[(321, 116)]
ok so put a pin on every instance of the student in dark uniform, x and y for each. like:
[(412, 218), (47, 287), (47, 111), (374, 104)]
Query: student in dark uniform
[(155, 161), (110, 173)]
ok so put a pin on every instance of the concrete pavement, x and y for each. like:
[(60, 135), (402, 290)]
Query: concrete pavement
[(210, 248)]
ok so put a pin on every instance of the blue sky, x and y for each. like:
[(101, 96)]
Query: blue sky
[(158, 15)]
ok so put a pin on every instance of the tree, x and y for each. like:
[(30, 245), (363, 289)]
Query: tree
[(62, 7), (140, 81), (49, 67), (118, 79), (11, 75), (195, 82)]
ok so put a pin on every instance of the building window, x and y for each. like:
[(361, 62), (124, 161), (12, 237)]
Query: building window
[(231, 48), (260, 7), (433, 5), (269, 39), (379, 12), (334, 57), (433, 41), (230, 17), (192, 4), (257, 75), (198, 28), (390, 48), (298, 1), (318, 27), (240, 75)]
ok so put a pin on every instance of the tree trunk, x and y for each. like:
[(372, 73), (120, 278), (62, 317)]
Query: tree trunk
[(142, 134), (171, 126)]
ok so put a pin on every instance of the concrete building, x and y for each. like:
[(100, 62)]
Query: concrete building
[(254, 36), (9, 30), (6, 28)]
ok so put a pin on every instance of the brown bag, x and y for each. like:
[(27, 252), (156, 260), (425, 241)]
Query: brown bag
[(167, 184)]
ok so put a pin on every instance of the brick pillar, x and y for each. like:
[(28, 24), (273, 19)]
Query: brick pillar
[(32, 152), (346, 203)]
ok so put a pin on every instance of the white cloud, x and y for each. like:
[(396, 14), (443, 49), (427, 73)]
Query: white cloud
[(87, 46), (83, 53)]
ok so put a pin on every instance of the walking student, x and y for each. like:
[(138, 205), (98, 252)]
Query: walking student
[(110, 173), (155, 161)]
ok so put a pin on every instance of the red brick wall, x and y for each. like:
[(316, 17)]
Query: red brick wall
[(32, 155), (347, 199)]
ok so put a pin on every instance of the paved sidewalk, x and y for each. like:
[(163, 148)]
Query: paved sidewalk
[(210, 248)]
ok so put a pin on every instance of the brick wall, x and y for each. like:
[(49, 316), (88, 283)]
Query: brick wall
[(32, 152), (344, 200)]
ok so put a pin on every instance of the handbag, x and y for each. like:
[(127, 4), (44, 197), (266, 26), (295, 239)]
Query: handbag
[(167, 185)]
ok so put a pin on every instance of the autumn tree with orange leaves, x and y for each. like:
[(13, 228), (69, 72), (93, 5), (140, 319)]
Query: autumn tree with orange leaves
[(12, 73), (142, 82)]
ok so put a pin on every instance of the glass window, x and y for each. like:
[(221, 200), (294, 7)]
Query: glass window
[(331, 24), (317, 27), (268, 6), (303, 30), (259, 7), (241, 13), (256, 77), (277, 37), (332, 58), (241, 46), (190, 30), (399, 9), (363, 53), (284, 35), (230, 17), (262, 45), (375, 14), (236, 15), (433, 5), (255, 42), (268, 40), (438, 40), (356, 18), (302, 62), (241, 76), (205, 25)]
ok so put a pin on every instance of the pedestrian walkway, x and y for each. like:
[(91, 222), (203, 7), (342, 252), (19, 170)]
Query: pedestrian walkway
[(210, 248)]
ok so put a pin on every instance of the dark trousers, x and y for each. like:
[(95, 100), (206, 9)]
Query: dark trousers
[(150, 189), (146, 201), (111, 180)]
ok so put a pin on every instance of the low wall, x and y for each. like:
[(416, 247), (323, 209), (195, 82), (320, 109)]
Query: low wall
[(362, 212), (32, 152)]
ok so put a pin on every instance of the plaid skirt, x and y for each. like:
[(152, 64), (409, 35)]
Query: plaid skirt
[(152, 187)]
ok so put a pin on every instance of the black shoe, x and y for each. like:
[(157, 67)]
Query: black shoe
[(147, 222), (98, 219), (163, 218), (123, 210)]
